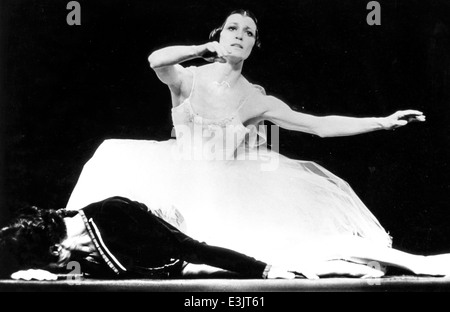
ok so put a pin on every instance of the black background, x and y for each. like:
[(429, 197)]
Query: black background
[(67, 88)]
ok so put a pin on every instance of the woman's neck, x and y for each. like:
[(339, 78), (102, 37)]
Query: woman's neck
[(227, 72)]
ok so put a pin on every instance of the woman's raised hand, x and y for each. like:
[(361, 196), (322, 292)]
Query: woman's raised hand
[(402, 118), (213, 52)]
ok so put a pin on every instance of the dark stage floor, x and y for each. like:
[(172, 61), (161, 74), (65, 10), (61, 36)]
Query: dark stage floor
[(385, 284)]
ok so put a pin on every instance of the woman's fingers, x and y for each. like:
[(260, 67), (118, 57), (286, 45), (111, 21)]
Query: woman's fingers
[(421, 118), (221, 50), (215, 52), (410, 115), (410, 112), (402, 118), (400, 123)]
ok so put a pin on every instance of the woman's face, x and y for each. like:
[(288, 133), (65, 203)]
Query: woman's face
[(239, 36)]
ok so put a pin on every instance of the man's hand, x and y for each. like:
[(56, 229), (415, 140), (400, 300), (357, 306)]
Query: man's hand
[(277, 272), (346, 268), (33, 274)]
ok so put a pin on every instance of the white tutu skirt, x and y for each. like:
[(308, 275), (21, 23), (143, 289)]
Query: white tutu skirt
[(270, 207)]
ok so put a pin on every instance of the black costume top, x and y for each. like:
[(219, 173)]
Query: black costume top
[(133, 242)]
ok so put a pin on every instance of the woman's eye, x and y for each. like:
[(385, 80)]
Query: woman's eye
[(231, 28), (249, 33)]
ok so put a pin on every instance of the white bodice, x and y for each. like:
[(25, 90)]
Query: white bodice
[(201, 138)]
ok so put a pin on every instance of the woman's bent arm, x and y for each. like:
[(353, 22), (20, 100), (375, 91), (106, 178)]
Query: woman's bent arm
[(172, 55), (165, 63)]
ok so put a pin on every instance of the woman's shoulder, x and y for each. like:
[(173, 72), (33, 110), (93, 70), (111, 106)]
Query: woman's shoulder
[(253, 88), (260, 89), (254, 104)]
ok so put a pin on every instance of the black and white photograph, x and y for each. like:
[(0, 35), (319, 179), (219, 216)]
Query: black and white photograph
[(224, 146)]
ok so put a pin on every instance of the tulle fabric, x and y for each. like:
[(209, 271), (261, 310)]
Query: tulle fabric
[(218, 182), (266, 205)]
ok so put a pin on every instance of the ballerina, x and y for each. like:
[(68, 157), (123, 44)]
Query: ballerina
[(218, 181)]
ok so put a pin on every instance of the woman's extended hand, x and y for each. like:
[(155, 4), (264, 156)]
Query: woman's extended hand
[(402, 118), (213, 52)]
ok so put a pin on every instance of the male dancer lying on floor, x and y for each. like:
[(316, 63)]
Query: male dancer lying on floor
[(120, 238)]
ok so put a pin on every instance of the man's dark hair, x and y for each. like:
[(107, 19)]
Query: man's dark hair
[(30, 235)]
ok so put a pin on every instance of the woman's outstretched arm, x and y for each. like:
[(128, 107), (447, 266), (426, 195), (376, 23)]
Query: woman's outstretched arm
[(281, 114)]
